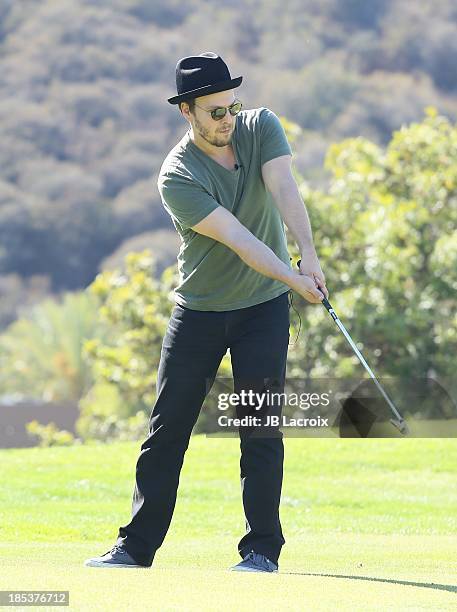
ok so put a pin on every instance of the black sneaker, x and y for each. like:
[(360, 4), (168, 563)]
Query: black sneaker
[(116, 557), (255, 562)]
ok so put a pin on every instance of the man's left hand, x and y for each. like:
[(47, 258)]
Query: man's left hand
[(311, 267)]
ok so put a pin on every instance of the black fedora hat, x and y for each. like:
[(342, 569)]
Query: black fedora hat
[(201, 75)]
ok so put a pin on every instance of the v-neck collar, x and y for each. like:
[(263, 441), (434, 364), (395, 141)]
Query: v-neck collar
[(194, 147)]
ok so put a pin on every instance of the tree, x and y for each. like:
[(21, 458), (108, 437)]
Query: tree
[(136, 308), (385, 234), (41, 355)]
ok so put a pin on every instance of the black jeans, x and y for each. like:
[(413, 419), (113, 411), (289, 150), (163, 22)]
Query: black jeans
[(193, 347)]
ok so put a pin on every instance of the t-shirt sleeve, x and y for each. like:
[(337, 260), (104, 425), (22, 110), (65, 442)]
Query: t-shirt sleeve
[(273, 139), (185, 201)]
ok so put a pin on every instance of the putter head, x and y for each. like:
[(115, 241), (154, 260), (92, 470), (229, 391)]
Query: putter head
[(401, 426)]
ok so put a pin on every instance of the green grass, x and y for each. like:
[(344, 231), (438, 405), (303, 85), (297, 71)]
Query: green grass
[(369, 525)]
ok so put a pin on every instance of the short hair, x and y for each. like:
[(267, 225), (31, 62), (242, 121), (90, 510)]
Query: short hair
[(190, 102)]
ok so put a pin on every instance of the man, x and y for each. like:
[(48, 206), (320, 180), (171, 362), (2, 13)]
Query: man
[(226, 185)]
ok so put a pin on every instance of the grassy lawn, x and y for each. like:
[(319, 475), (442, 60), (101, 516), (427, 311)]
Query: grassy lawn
[(369, 525)]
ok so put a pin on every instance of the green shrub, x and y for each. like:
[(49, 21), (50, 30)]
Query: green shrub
[(50, 435)]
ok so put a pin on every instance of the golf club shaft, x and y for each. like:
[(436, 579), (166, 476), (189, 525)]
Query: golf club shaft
[(333, 314), (368, 369)]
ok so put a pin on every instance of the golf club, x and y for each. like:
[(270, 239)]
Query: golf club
[(398, 421)]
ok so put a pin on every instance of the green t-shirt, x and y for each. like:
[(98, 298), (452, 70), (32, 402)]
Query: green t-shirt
[(192, 184)]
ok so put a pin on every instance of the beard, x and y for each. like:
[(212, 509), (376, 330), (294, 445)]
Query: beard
[(217, 140)]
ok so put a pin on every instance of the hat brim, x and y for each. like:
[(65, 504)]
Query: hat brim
[(206, 90)]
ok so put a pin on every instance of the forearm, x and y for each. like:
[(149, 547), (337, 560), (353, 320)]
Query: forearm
[(222, 226), (295, 216), (259, 256)]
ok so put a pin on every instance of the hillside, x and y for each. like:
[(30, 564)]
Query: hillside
[(85, 123)]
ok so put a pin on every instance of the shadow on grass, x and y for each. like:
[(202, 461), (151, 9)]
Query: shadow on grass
[(426, 585)]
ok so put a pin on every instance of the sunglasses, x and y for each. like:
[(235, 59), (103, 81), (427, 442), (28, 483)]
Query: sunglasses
[(219, 113)]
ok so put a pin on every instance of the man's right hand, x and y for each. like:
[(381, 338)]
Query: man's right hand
[(305, 286)]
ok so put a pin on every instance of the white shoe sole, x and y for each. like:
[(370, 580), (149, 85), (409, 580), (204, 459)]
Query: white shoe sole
[(249, 569), (94, 563)]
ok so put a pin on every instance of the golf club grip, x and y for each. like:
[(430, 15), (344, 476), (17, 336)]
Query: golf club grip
[(324, 301)]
